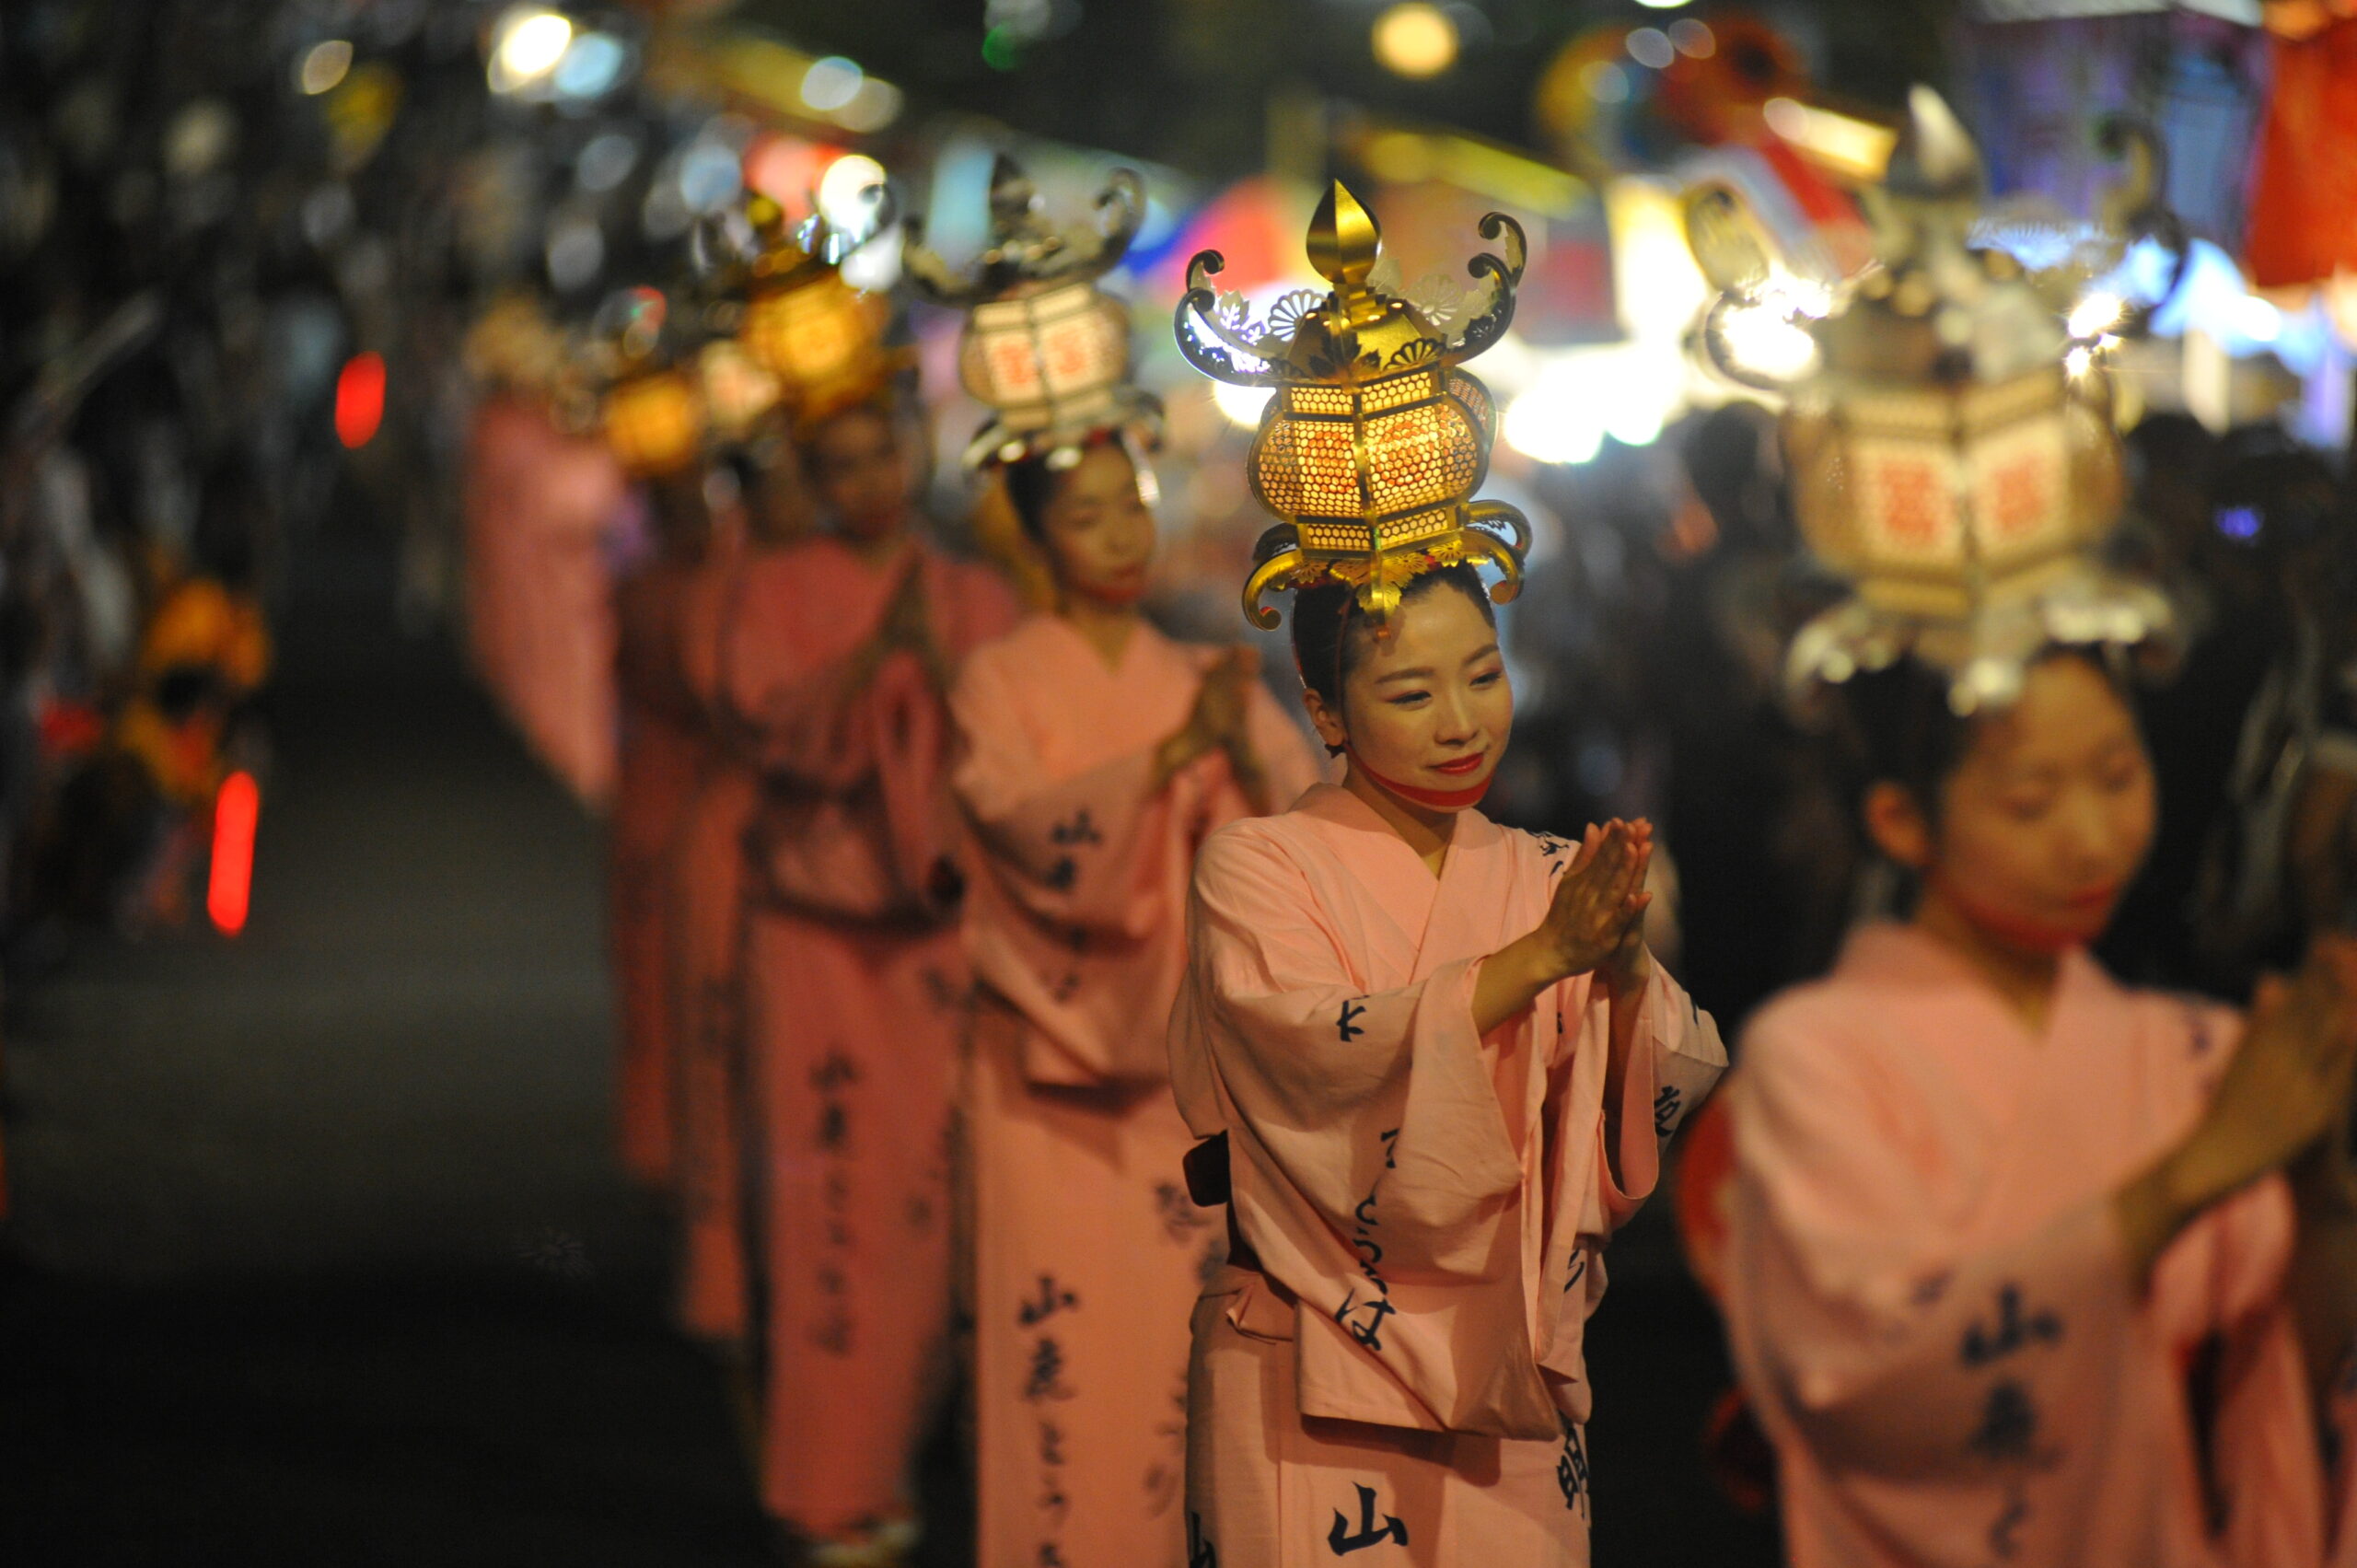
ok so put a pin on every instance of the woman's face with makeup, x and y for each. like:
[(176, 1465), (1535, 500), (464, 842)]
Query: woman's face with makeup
[(2045, 820), (1429, 706), (1097, 530)]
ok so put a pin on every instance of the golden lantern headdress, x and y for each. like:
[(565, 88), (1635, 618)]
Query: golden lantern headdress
[(1375, 442), (1949, 429), (652, 412), (823, 340), (1045, 348)]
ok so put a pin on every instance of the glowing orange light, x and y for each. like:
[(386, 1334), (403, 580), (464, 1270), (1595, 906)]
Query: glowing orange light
[(360, 399), (234, 811)]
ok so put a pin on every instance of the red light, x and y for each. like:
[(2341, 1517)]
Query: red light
[(234, 811), (360, 399)]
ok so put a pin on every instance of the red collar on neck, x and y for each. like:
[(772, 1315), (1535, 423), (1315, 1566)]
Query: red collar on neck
[(1435, 799)]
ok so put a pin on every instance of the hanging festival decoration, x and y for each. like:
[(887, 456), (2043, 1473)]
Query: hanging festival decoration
[(1374, 441), (1948, 426), (1044, 347), (821, 338)]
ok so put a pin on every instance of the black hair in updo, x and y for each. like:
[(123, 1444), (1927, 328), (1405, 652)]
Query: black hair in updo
[(1330, 631), (1031, 484)]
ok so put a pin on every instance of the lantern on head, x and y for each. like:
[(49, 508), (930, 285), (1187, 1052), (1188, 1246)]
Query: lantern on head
[(1044, 347), (1950, 442), (821, 338), (651, 413), (1374, 441)]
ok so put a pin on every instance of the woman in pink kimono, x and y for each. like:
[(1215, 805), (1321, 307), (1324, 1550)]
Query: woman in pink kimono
[(2022, 1266), (540, 505), (1097, 755), (664, 743), (705, 912), (1443, 1064), (837, 655)]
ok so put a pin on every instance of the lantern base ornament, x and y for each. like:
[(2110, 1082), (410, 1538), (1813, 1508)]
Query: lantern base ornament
[(1985, 655)]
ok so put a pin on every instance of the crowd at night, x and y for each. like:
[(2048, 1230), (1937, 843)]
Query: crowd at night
[(997, 784)]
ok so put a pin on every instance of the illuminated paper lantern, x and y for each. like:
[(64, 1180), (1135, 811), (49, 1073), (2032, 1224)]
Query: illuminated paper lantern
[(1950, 440), (1375, 442), (821, 338), (654, 422), (1046, 349), (1931, 496)]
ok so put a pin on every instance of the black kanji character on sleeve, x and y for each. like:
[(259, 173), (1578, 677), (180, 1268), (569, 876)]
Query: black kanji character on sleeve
[(1046, 1379), (1341, 1540), (2015, 1329), (1365, 1319), (1081, 830), (1571, 1469), (1347, 1025), (1050, 1300), (2008, 1429)]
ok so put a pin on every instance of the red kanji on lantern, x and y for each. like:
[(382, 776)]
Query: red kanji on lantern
[(2017, 496), (1912, 508)]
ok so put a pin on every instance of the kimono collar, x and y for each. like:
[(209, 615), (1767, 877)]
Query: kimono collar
[(1903, 957)]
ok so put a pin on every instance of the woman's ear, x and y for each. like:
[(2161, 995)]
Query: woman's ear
[(1328, 723), (1896, 822)]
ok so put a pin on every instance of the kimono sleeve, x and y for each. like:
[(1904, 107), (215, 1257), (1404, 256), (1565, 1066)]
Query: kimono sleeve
[(1862, 1324), (1338, 1087), (1069, 849), (1675, 1059)]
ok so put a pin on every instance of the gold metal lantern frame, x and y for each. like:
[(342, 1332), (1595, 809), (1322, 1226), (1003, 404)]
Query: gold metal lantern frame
[(1374, 441)]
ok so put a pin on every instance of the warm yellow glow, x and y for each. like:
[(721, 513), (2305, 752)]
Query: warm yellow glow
[(2098, 312), (1243, 405), (1842, 144), (529, 44), (1761, 338), (1415, 39), (324, 65)]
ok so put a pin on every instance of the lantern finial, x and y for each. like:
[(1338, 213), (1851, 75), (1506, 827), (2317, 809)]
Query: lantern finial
[(1375, 441), (1344, 240)]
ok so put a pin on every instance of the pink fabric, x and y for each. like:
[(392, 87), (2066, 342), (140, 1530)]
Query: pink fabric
[(708, 933), (663, 753), (707, 923), (537, 504), (856, 1000), (1926, 1295), (1428, 1205), (1087, 1249)]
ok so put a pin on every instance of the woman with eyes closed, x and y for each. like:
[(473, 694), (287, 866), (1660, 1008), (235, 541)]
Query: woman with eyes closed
[(1437, 1063), (2024, 1266)]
